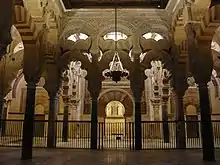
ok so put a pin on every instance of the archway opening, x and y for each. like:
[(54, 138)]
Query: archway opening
[(115, 120), (115, 109)]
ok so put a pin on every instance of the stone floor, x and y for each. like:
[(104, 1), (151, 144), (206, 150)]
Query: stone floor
[(11, 156)]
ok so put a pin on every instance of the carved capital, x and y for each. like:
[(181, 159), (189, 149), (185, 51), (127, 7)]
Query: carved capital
[(202, 70), (155, 101), (33, 63), (66, 99), (53, 79), (94, 84)]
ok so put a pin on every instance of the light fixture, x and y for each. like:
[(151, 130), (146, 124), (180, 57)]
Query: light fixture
[(116, 70)]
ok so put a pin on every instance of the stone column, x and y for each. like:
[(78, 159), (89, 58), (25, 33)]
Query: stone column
[(180, 122), (6, 17), (179, 84), (166, 133), (94, 87), (32, 69), (53, 82), (201, 66), (65, 119), (206, 124), (165, 98), (137, 87), (156, 127), (1, 105), (156, 108), (52, 125), (1, 109), (138, 135), (6, 108), (28, 125), (94, 122)]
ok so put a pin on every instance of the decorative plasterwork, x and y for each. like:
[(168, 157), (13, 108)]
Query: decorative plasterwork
[(95, 22), (116, 89)]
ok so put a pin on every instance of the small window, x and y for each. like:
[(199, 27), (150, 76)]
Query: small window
[(77, 36), (154, 36), (115, 36)]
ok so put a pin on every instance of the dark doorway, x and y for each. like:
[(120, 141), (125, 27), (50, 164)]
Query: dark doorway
[(39, 125), (192, 126)]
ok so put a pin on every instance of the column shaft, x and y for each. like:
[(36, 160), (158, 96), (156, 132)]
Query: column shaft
[(206, 124), (138, 142), (65, 123), (180, 124), (1, 106), (52, 125), (166, 133), (1, 111), (94, 123), (28, 125)]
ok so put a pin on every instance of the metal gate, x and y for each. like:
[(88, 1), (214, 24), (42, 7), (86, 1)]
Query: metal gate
[(116, 135)]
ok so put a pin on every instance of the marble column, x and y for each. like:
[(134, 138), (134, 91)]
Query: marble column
[(179, 85), (6, 108), (52, 125), (94, 87), (65, 122), (156, 127), (28, 125), (180, 123), (201, 67), (6, 17), (137, 123), (137, 87), (53, 83), (1, 105), (206, 124), (1, 110), (156, 108), (166, 133), (94, 122)]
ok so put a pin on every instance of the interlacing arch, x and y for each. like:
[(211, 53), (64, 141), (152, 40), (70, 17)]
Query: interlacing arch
[(120, 90)]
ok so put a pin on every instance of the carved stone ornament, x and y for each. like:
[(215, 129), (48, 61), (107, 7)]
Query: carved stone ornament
[(191, 81)]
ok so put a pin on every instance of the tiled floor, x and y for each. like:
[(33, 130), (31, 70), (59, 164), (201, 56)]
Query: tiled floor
[(11, 156)]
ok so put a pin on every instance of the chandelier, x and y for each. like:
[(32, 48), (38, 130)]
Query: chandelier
[(116, 70)]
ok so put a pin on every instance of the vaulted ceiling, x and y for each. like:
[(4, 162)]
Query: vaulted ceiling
[(28, 19)]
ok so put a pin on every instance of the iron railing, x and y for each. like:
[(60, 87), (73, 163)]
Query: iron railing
[(155, 134)]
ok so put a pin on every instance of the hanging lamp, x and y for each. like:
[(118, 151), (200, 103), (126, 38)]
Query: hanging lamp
[(116, 70)]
